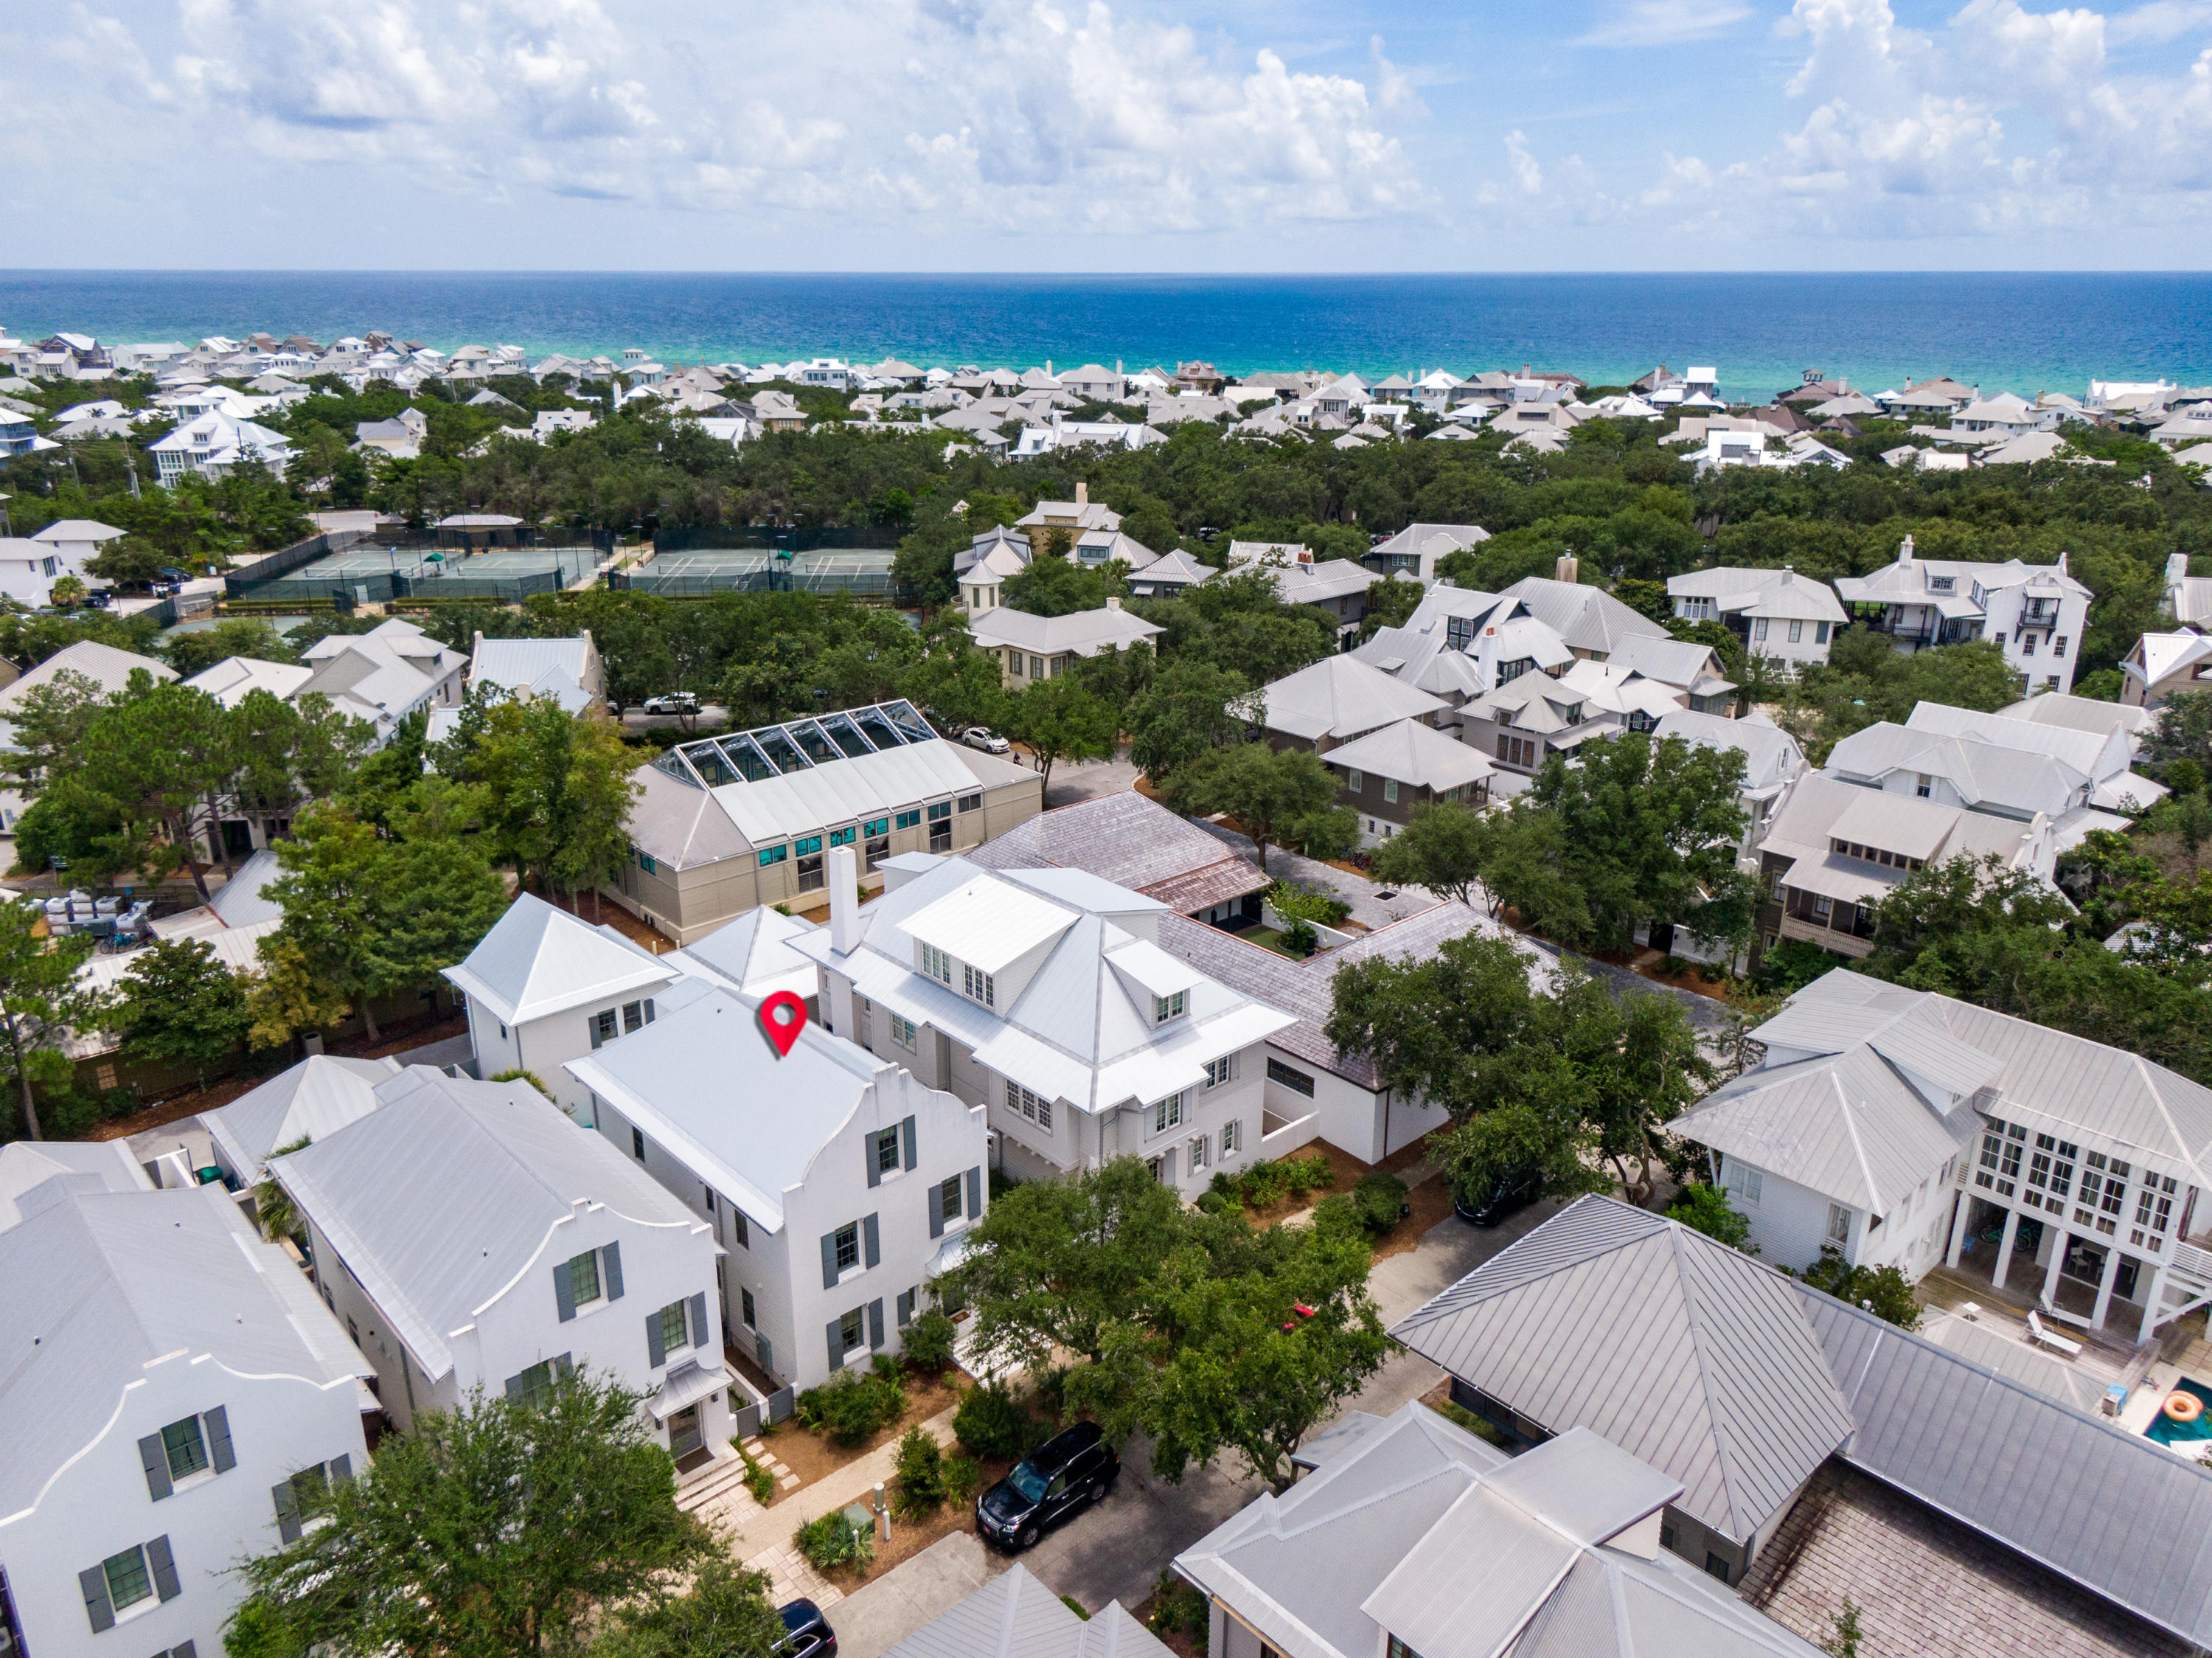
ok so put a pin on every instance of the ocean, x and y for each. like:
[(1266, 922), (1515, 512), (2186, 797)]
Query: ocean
[(2026, 332)]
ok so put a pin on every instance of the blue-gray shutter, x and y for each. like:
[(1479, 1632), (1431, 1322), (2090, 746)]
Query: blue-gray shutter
[(837, 1344), (876, 1322), (164, 1567), (906, 1138), (829, 1260), (156, 1462), (649, 1011), (905, 1307), (97, 1606), (610, 1272), (341, 1469), (875, 1158), (216, 1423), (288, 1510), (872, 1249), (697, 1323), (975, 1192), (936, 1211), (564, 1292), (592, 1021), (656, 1350)]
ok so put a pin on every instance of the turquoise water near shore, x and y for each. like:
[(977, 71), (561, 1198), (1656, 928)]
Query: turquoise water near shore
[(2027, 332)]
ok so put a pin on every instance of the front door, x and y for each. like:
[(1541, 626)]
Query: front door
[(685, 1433)]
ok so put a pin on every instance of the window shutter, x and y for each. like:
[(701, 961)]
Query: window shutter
[(611, 1271), (217, 1423), (156, 1461), (649, 1011), (906, 1138), (697, 1323), (97, 1606), (871, 1244), (341, 1469), (514, 1387), (830, 1263), (905, 1307), (975, 1192), (937, 1211), (875, 1160), (164, 1567), (656, 1351), (287, 1507), (564, 1292), (876, 1322), (592, 1022), (837, 1346)]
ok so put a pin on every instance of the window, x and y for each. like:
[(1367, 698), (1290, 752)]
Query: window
[(745, 1308), (852, 1329), (971, 802), (1823, 906), (1796, 633), (1507, 672), (940, 836), (979, 985), (773, 855), (908, 819), (940, 812), (1355, 780), (936, 965), (1744, 1181), (1942, 583), (1221, 1070), (584, 1276), (2058, 646), (809, 864), (903, 1033), (637, 1143), (675, 1332), (185, 1448), (2027, 646), (1166, 1113), (645, 862), (1199, 1157), (2001, 1147), (1716, 1567), (1840, 1224), (874, 851), (1759, 630), (128, 1580), (1819, 633), (636, 1016), (887, 1151), (1165, 1007), (533, 1384), (1296, 1081), (948, 1197), (739, 1229), (1391, 785), (849, 1246), (605, 1027), (844, 837), (1023, 1103), (1233, 1137)]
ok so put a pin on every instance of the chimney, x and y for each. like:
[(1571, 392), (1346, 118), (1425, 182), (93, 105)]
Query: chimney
[(1788, 574), (1568, 565), (844, 900), (1904, 553), (1083, 495), (1113, 604), (1047, 365)]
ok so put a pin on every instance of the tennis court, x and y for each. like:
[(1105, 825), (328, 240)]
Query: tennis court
[(750, 570), (377, 574)]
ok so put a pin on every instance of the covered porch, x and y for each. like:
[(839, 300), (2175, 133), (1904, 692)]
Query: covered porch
[(2086, 1286)]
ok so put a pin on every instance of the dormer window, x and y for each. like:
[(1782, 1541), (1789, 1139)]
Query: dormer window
[(1943, 583), (1165, 1007), (936, 965), (977, 985)]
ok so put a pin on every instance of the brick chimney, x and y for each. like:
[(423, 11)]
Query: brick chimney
[(1567, 568)]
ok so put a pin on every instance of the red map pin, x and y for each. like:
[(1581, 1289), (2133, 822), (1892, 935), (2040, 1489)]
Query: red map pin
[(782, 1016)]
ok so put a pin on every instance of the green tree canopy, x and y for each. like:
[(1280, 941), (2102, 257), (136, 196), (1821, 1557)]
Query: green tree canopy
[(1281, 796), (41, 1001), (178, 1002)]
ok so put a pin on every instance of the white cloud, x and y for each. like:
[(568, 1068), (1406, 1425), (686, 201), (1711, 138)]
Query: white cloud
[(1666, 22)]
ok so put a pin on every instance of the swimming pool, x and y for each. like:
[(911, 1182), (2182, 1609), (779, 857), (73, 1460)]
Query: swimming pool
[(2166, 1430)]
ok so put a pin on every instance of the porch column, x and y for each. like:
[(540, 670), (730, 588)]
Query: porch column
[(2154, 1300), (2004, 1249), (2105, 1286), (1963, 1204), (2058, 1237)]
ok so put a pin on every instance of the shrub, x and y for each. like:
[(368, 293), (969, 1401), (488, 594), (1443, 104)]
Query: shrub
[(853, 1405), (1177, 1608), (1301, 904), (963, 1478), (1338, 1216), (759, 1480), (1705, 1209), (1882, 1290), (1481, 1427), (992, 1422), (1309, 1173), (917, 1484), (1075, 1607), (833, 1541), (1300, 939), (1380, 1199), (929, 1340), (1264, 1183)]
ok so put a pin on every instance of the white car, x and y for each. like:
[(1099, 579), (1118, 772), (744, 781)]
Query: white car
[(675, 701), (982, 737)]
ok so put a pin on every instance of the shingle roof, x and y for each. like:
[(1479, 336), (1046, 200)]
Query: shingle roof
[(1132, 841), (1676, 1348), (538, 960)]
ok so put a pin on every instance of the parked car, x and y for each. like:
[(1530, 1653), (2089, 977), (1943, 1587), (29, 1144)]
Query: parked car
[(675, 702), (982, 737), (1508, 1194), (807, 1633), (1073, 1471)]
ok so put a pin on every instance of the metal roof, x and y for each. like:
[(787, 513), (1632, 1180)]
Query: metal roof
[(313, 1099), (1340, 696), (753, 953), (1085, 632), (2100, 754), (244, 899), (1770, 754), (538, 960), (1415, 755), (1588, 618), (25, 1164), (1014, 1616), (519, 664), (1678, 1348), (989, 922)]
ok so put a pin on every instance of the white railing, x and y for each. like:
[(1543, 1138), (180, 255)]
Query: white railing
[(1291, 1135)]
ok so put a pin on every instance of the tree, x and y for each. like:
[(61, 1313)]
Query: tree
[(558, 791), (1390, 603), (1263, 788), (1056, 719), (1866, 680), (1050, 585), (1190, 708), (2184, 732), (289, 753), (1706, 1209), (49, 724), (726, 1614), (178, 1003), (505, 1526), (41, 1000), (1882, 1290), (1442, 847), (152, 768), (331, 887), (235, 636), (67, 592), (287, 997)]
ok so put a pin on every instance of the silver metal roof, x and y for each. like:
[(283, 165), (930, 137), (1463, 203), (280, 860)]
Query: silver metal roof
[(312, 1100), (1014, 1616), (1678, 1348), (538, 961)]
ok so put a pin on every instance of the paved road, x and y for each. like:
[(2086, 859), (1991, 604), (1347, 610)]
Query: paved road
[(1090, 781)]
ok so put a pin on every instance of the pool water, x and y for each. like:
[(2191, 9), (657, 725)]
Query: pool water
[(2166, 1430)]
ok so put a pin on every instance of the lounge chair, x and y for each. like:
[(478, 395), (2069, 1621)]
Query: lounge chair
[(2051, 1338)]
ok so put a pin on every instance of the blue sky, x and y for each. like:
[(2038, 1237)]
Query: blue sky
[(1024, 134)]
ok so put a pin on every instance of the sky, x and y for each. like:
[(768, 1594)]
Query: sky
[(1017, 136)]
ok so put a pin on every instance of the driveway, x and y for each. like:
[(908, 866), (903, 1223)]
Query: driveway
[(1089, 780)]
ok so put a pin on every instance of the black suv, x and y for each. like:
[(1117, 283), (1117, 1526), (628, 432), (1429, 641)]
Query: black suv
[(1512, 1191), (1074, 1470), (806, 1633)]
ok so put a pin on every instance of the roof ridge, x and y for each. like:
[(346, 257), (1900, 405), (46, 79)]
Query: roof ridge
[(1851, 1127), (1723, 1446)]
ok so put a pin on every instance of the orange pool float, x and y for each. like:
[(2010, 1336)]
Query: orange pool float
[(2183, 1407)]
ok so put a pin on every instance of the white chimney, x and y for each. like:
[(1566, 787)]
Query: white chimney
[(1113, 604), (844, 900), (1083, 495)]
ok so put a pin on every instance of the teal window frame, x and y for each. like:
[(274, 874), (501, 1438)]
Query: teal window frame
[(771, 855)]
